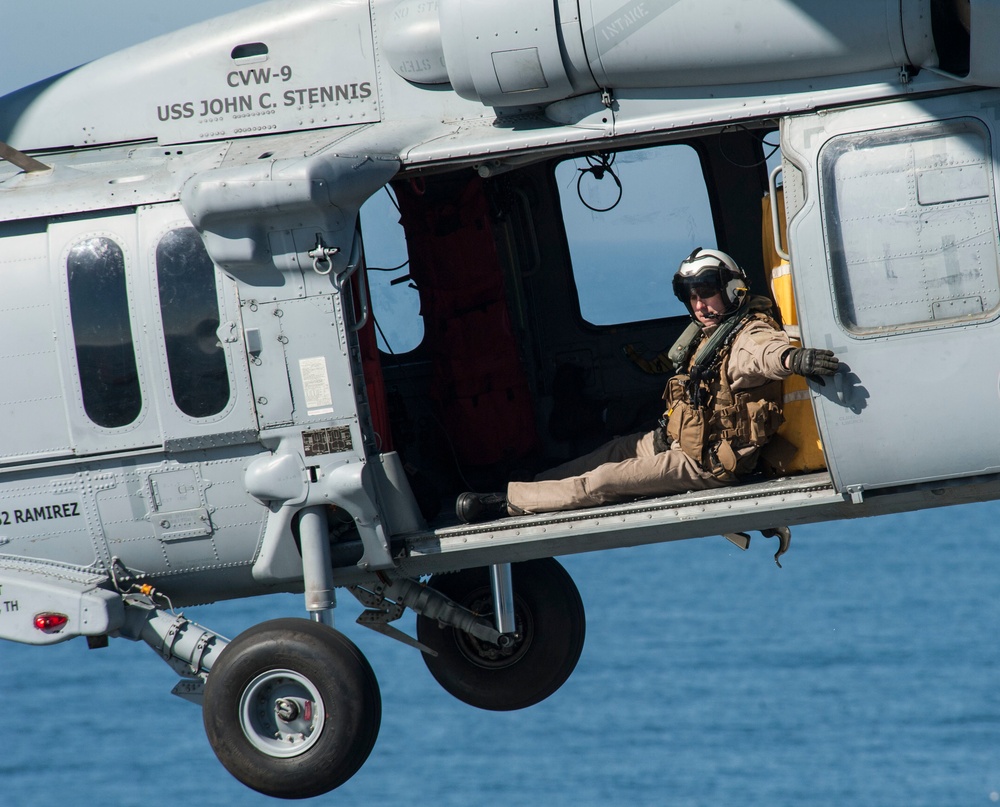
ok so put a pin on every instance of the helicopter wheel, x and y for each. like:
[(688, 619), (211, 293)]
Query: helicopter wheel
[(292, 708), (549, 634)]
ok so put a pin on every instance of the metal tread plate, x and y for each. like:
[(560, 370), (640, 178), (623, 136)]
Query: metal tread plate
[(689, 515)]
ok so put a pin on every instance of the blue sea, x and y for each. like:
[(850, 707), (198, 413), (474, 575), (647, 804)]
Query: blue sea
[(865, 672)]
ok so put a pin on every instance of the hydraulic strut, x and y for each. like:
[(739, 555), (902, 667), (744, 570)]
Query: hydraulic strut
[(503, 597), (387, 601), (317, 571), (186, 646)]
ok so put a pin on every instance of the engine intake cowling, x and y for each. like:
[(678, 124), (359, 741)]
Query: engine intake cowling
[(512, 54)]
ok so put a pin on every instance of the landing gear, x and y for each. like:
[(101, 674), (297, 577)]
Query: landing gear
[(527, 665), (292, 708)]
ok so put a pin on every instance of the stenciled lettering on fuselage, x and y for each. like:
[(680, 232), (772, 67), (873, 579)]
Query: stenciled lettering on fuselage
[(8, 606), (256, 95), (43, 512)]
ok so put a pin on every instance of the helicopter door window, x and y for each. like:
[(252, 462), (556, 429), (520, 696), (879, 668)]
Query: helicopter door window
[(635, 215), (189, 308), (919, 247), (395, 301), (102, 333)]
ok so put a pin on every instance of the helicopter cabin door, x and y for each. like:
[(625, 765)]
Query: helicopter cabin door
[(893, 237)]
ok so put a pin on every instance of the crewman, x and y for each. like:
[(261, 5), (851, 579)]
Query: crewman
[(723, 405)]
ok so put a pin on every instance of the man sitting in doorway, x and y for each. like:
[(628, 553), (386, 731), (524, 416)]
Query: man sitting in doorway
[(722, 407)]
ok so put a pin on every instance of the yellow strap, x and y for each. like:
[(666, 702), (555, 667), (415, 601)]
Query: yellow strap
[(658, 365)]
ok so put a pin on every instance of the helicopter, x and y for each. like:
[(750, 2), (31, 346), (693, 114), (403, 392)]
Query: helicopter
[(218, 393)]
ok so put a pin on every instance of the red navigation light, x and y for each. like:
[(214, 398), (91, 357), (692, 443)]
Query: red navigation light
[(51, 623)]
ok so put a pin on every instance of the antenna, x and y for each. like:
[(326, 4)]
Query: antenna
[(20, 159)]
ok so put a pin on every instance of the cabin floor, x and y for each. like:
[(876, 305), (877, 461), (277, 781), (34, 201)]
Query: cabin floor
[(447, 545), (752, 506)]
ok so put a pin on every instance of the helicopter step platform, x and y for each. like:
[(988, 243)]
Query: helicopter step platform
[(787, 501)]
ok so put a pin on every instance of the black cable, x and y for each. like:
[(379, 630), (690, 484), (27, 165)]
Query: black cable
[(387, 269), (760, 139), (392, 197), (385, 339), (599, 166)]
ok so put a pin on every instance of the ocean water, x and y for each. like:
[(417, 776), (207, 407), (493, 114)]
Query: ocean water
[(865, 672)]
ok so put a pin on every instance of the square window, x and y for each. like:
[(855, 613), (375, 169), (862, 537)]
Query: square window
[(630, 221), (911, 225)]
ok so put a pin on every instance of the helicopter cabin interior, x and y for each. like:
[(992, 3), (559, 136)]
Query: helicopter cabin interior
[(521, 317)]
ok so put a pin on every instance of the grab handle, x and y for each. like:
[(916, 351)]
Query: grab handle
[(772, 186)]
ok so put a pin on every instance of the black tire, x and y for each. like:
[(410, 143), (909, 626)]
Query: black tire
[(550, 631), (331, 702)]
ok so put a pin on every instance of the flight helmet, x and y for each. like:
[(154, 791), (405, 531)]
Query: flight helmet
[(714, 270)]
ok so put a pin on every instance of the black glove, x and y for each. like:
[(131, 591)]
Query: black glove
[(812, 362)]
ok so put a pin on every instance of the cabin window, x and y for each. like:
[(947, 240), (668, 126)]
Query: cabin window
[(911, 223), (395, 301), (627, 240), (102, 332), (189, 308)]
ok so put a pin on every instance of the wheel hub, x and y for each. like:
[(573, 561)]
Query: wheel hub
[(286, 710), (510, 646), (282, 713)]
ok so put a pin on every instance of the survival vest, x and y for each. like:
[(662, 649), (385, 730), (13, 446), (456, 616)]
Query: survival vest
[(720, 429)]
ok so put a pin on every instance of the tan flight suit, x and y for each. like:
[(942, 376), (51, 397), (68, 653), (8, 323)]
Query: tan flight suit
[(629, 467)]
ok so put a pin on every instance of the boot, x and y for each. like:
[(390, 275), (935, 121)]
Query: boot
[(475, 507)]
